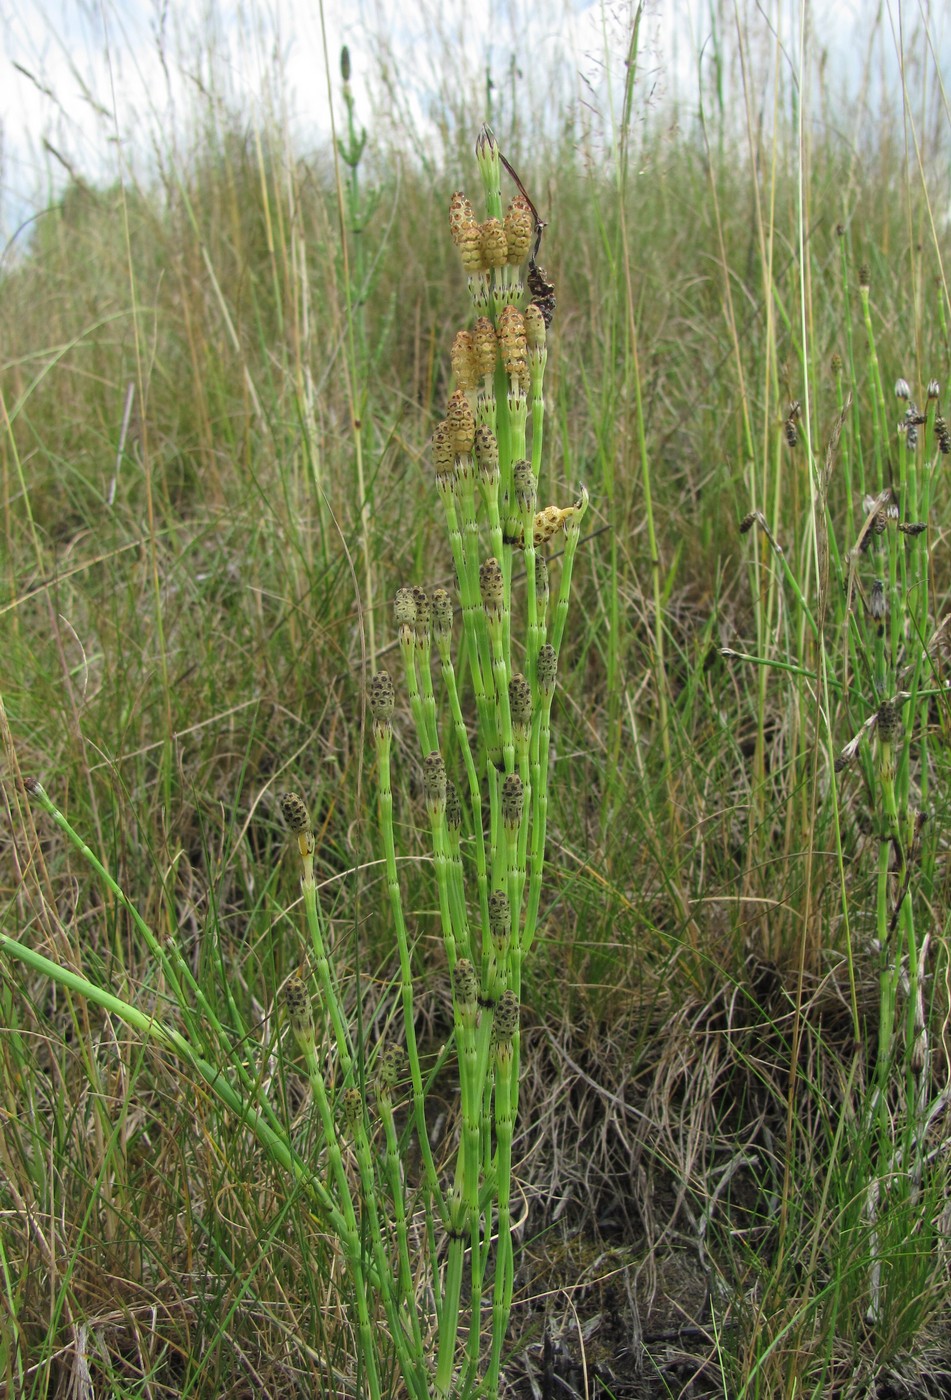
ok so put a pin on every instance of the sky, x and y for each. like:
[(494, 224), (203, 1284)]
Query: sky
[(91, 88)]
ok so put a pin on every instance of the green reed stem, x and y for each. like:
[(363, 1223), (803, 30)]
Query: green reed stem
[(505, 1081), (328, 984), (405, 1337), (382, 734), (878, 397), (540, 744), (472, 778), (345, 1199), (394, 1176)]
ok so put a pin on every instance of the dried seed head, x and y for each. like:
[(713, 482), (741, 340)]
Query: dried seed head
[(485, 346), (520, 703), (543, 292), (382, 697), (512, 342), (888, 723), (462, 357), (404, 607), (434, 782), (465, 986), (526, 487), (748, 521), (913, 527), (535, 330), (878, 603), (942, 435), (461, 213), (934, 389), (443, 454), (836, 364), (294, 811), (909, 425), (546, 668), (461, 423), (495, 250), (902, 391), (848, 753), (793, 415), (500, 919), (424, 616), (865, 277), (513, 799), (442, 614), (883, 513), (541, 579), (506, 1018), (487, 453), (840, 230), (491, 587), (519, 229), (453, 807)]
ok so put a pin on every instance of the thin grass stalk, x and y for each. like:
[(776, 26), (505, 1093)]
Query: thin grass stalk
[(406, 1335), (443, 644), (167, 954), (304, 1034), (273, 1142), (382, 733), (298, 819), (540, 745), (388, 1075), (880, 429), (350, 212)]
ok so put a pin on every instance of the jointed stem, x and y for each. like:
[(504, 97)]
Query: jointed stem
[(383, 738)]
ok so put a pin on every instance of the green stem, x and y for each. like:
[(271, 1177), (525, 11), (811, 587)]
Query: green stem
[(169, 958), (368, 1349), (394, 1174), (274, 1143), (505, 1080), (382, 735), (328, 986)]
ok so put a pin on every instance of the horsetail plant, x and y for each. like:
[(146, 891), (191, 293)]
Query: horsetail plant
[(425, 1238), (487, 835), (875, 641), (485, 795)]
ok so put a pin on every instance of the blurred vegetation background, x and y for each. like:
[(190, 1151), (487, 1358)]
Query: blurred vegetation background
[(218, 384)]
